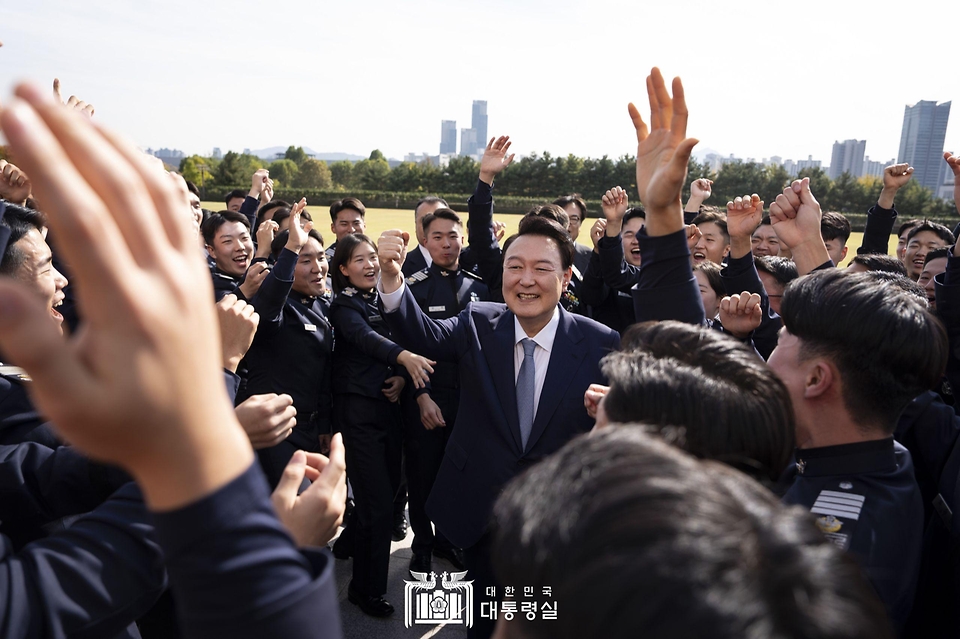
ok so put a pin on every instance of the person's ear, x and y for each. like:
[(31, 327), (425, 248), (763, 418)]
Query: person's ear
[(843, 253), (819, 379)]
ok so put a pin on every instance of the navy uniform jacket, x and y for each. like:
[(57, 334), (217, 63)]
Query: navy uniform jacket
[(442, 294), (364, 356), (292, 352), (876, 232), (666, 288), (609, 306), (19, 420), (484, 450), (415, 262), (224, 284), (865, 499)]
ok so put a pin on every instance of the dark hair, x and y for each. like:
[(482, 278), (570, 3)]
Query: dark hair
[(429, 199), (936, 254), (236, 193), (192, 188), (765, 221), (886, 345), (440, 214), (902, 282), (909, 224), (782, 269), (347, 203), (834, 226), (725, 401), (545, 227), (574, 198), (269, 206), (712, 271), (210, 226), (549, 211), (880, 262), (345, 249), (636, 538), (281, 240), (714, 216), (633, 212), (939, 230), (20, 221)]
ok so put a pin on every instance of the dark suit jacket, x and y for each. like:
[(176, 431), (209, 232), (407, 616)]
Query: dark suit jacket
[(415, 262), (484, 450)]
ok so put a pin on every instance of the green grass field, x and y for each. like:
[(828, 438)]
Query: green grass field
[(379, 220)]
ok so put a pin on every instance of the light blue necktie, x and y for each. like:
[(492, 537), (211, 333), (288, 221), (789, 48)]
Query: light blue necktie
[(526, 390)]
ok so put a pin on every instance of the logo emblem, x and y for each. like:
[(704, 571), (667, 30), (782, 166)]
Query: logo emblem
[(425, 603), (829, 524), (846, 485)]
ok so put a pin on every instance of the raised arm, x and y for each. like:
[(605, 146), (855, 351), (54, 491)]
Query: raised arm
[(700, 191), (481, 236), (880, 217), (616, 273), (795, 217), (667, 288), (954, 162)]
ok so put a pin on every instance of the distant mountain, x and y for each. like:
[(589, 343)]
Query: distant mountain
[(271, 154)]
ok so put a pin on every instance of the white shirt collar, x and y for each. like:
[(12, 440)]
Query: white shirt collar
[(426, 255), (545, 337)]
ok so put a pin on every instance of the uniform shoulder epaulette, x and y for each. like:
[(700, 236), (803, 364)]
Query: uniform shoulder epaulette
[(14, 372), (419, 276), (471, 275)]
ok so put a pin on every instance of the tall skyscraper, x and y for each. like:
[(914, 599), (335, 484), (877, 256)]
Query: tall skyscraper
[(479, 123), (448, 136), (468, 141), (921, 141), (847, 158)]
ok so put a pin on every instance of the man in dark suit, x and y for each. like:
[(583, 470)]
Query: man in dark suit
[(505, 424)]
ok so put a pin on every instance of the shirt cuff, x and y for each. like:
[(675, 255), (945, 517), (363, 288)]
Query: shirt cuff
[(391, 301)]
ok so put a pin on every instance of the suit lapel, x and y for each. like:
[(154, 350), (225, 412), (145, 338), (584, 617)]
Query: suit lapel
[(565, 359), (498, 349)]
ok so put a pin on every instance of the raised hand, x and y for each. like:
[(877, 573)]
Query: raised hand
[(256, 273), (267, 419), (597, 231), (258, 183), (499, 230), (298, 235), (265, 235), (592, 398), (744, 215), (238, 325), (313, 516), (663, 152), (953, 162), (141, 386), (693, 235), (74, 102), (895, 177), (392, 251), (267, 194), (795, 217), (701, 189), (741, 314), (614, 204), (417, 366), (14, 184), (495, 158)]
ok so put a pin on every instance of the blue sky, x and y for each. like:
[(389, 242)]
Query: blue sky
[(762, 78)]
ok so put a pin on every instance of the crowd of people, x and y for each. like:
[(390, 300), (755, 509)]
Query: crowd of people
[(690, 424)]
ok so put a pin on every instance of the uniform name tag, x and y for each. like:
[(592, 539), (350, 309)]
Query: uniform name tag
[(310, 327), (436, 309), (375, 318)]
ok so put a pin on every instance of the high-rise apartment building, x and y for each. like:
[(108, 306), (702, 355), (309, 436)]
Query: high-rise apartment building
[(479, 123), (847, 158), (921, 141), (448, 136)]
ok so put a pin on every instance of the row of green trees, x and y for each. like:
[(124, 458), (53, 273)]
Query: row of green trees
[(546, 176)]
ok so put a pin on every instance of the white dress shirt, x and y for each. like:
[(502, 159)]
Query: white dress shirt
[(426, 255), (541, 354)]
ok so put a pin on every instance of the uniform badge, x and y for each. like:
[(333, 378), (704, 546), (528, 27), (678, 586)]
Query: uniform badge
[(846, 485), (310, 327), (444, 273), (349, 291), (474, 297), (801, 466), (436, 309), (829, 524)]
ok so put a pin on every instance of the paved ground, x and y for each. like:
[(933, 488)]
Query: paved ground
[(356, 624)]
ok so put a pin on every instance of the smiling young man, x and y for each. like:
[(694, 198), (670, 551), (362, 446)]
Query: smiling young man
[(714, 242), (227, 238), (506, 422), (921, 239), (347, 216), (442, 291)]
